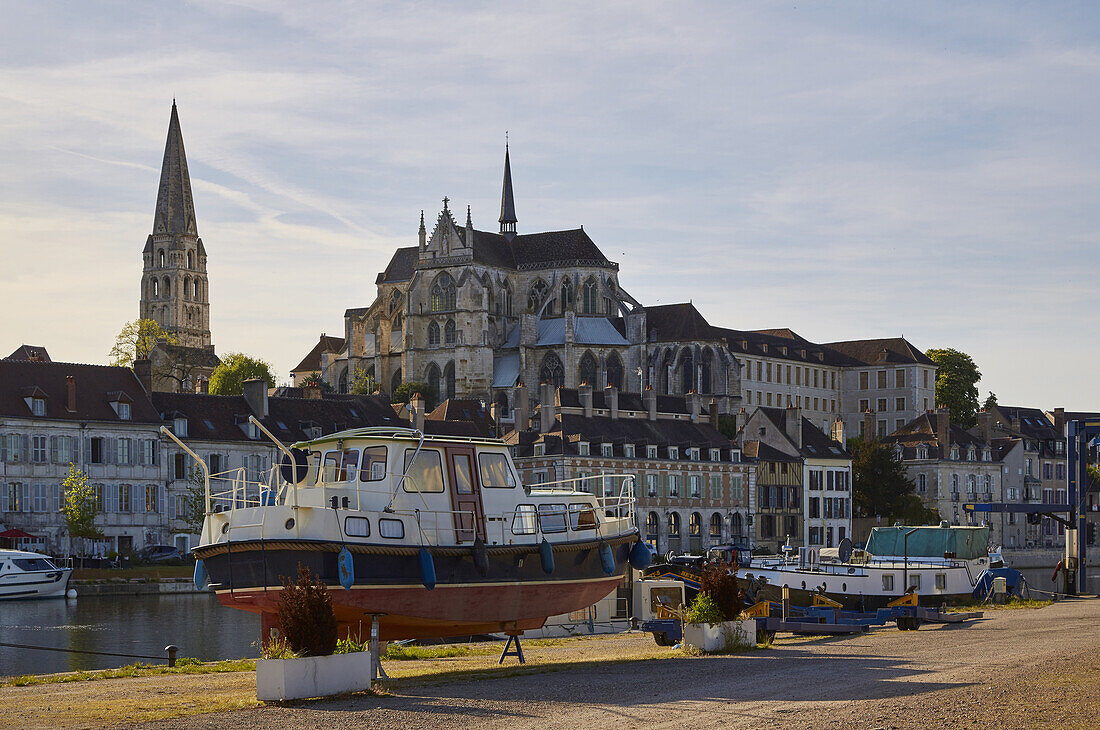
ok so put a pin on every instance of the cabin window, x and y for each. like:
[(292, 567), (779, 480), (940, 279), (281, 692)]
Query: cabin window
[(425, 474), (888, 582), (552, 517), (349, 465), (582, 516), (495, 471), (394, 529), (373, 468), (941, 581), (357, 527), (339, 465), (464, 479), (914, 581), (523, 522)]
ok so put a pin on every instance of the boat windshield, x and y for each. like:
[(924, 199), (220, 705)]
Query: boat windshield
[(31, 564), (965, 543)]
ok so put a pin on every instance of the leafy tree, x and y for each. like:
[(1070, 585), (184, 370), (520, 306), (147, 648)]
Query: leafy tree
[(235, 368), (990, 402), (1094, 476), (956, 384), (727, 426), (193, 511), (404, 392), (315, 379), (363, 384), (79, 505), (880, 486), (136, 340)]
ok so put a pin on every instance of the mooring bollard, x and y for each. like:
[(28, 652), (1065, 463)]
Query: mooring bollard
[(171, 649)]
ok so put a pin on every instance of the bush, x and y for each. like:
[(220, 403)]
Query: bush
[(720, 583), (305, 615), (703, 610)]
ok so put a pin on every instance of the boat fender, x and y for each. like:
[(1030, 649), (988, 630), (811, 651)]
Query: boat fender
[(202, 579), (427, 569), (640, 556), (607, 559), (347, 569), (546, 554), (481, 557)]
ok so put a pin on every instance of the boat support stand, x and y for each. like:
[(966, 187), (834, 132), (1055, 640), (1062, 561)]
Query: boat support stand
[(518, 652), (376, 670)]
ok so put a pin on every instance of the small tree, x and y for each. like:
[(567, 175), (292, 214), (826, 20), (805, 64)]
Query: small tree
[(990, 402), (193, 507), (305, 615), (404, 392), (363, 384), (79, 505), (880, 485), (136, 340), (315, 380), (957, 379), (720, 583), (235, 368)]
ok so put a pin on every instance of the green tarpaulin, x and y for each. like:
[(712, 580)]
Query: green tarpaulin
[(967, 543)]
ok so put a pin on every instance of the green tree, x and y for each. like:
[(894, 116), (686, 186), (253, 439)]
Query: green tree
[(79, 505), (956, 384), (193, 509), (363, 384), (990, 402), (315, 379), (136, 340), (880, 486), (235, 368), (404, 392), (727, 426)]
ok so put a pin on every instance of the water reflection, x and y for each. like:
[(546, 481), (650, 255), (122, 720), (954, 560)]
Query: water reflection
[(197, 624)]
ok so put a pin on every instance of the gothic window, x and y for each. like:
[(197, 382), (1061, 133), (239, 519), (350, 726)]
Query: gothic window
[(160, 259), (397, 323), (190, 316), (687, 373), (615, 370), (154, 292), (196, 292), (190, 260), (706, 368), (502, 405), (167, 287), (491, 305), (434, 379), (443, 293), (187, 288), (587, 369), (433, 334), (449, 379), (449, 332), (506, 299), (566, 295), (395, 300), (395, 381), (552, 371), (588, 303), (536, 296), (342, 382)]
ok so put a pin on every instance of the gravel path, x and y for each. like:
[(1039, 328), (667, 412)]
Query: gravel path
[(1022, 668)]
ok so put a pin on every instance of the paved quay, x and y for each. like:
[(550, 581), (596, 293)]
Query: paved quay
[(1020, 668)]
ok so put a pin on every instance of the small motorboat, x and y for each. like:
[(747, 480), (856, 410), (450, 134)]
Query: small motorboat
[(31, 575)]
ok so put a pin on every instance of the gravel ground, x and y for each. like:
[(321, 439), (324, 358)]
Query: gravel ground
[(1022, 668)]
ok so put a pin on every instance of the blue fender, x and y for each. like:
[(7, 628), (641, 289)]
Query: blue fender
[(640, 556), (607, 559), (546, 554), (202, 578), (427, 569), (347, 569)]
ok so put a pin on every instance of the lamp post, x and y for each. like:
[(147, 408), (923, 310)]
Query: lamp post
[(905, 568)]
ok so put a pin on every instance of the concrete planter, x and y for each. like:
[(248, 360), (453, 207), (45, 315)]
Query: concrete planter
[(726, 636), (314, 676)]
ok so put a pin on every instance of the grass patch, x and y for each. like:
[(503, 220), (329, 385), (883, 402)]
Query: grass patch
[(186, 665), (1013, 604), (412, 652)]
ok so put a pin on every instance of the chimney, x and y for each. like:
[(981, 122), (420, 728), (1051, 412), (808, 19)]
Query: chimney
[(312, 391), (416, 410), (740, 420), (650, 399), (1060, 421), (837, 430), (143, 369), (548, 410), (869, 432), (70, 393), (712, 409), (985, 426), (520, 411), (943, 427), (611, 398), (694, 405), (585, 392), (255, 395), (794, 425)]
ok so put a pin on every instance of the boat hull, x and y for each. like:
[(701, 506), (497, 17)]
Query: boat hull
[(511, 592), (850, 602), (36, 584)]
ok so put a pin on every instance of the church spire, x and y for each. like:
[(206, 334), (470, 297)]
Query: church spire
[(507, 202), (175, 208)]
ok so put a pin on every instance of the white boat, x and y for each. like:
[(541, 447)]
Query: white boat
[(31, 575)]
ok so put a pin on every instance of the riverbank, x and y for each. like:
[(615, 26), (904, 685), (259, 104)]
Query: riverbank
[(1015, 668), (133, 587)]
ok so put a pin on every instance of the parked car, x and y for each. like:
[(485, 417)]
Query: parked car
[(159, 554)]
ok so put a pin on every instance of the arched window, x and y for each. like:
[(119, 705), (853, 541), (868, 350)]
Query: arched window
[(160, 258), (342, 382), (687, 370), (187, 287), (502, 405), (652, 523), (566, 295), (954, 482), (190, 260), (433, 334), (536, 296), (395, 381), (506, 299), (615, 370), (397, 322), (443, 293), (706, 368), (736, 530), (674, 524), (716, 526), (587, 370), (395, 300), (552, 371), (449, 379), (449, 332), (190, 316), (197, 297), (155, 290), (433, 379), (588, 302), (167, 287), (695, 524), (491, 304)]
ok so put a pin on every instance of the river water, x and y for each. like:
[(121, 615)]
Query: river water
[(199, 625)]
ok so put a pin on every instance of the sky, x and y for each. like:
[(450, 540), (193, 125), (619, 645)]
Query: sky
[(847, 169)]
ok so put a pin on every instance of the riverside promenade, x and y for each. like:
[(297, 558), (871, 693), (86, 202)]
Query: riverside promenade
[(1014, 668)]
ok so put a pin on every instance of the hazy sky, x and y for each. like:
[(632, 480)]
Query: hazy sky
[(847, 170)]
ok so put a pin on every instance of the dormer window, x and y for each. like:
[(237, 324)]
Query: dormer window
[(35, 398), (606, 450), (628, 451), (693, 454), (898, 452), (715, 454), (735, 456), (674, 452), (971, 454), (179, 426), (38, 406), (651, 452), (540, 450), (582, 448), (987, 455), (954, 453), (922, 451), (120, 402)]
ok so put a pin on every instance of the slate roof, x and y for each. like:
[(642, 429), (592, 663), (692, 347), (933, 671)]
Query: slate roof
[(886, 350), (29, 352), (93, 383), (619, 431), (175, 207), (764, 452), (535, 249), (401, 266), (922, 430), (1033, 421), (201, 356), (570, 398), (815, 442), (467, 410), (312, 361), (762, 343), (677, 322)]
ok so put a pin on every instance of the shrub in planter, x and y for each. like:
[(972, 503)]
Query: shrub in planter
[(305, 615), (719, 583)]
